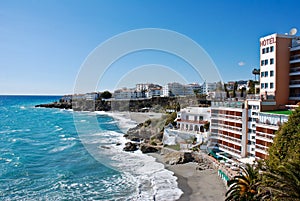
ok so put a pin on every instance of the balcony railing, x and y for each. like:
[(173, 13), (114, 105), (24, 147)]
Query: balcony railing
[(192, 121), (294, 82), (295, 57), (263, 135), (229, 149), (272, 119), (295, 96), (262, 148), (295, 70)]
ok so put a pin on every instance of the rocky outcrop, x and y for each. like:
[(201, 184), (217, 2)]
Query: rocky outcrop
[(147, 148), (178, 157), (56, 105), (130, 146)]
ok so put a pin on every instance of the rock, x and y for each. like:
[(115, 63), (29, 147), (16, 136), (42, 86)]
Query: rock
[(178, 157), (146, 148), (135, 139), (105, 147), (118, 143), (129, 146)]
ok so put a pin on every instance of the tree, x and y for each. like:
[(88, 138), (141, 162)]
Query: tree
[(282, 182), (226, 90), (251, 85), (286, 146), (234, 89), (242, 92), (106, 95), (244, 187), (255, 72), (282, 176)]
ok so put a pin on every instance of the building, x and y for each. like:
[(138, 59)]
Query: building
[(124, 93), (280, 70), (246, 128), (193, 119), (208, 87), (267, 124), (154, 92), (229, 128), (177, 89)]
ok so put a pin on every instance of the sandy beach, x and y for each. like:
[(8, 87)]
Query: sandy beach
[(197, 185), (204, 185)]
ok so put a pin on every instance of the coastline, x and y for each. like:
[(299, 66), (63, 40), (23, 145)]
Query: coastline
[(196, 185)]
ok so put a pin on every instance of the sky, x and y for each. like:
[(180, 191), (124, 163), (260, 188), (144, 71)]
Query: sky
[(44, 44)]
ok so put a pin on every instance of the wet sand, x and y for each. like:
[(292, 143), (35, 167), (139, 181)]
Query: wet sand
[(197, 185)]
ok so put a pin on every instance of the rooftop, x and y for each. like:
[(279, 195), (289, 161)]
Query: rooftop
[(285, 112)]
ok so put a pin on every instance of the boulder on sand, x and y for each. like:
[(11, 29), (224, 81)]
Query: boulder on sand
[(130, 146)]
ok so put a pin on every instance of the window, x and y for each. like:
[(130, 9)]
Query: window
[(271, 48), (266, 73), (267, 49), (266, 61), (262, 62), (262, 85), (271, 85), (266, 85), (263, 50), (271, 73), (272, 61), (262, 74)]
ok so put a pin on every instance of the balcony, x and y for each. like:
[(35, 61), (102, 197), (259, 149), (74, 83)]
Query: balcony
[(226, 117), (264, 136), (294, 96), (261, 149), (271, 119), (295, 84), (295, 58), (295, 71), (192, 121)]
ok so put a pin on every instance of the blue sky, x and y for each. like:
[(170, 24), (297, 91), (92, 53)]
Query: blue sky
[(44, 43)]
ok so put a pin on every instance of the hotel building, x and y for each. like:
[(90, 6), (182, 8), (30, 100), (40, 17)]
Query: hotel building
[(246, 128)]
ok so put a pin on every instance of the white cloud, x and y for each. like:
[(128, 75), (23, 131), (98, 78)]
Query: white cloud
[(241, 63)]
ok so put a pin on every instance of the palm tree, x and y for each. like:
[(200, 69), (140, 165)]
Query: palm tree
[(255, 72), (244, 187), (283, 182)]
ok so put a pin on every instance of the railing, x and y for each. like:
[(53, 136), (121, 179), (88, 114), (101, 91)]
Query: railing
[(232, 104), (192, 121), (272, 119), (292, 82), (231, 139), (295, 57), (260, 147), (295, 69), (226, 116), (268, 136), (295, 95), (229, 149)]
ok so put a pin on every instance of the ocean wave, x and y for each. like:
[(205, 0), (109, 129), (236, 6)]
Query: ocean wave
[(153, 181), (61, 148)]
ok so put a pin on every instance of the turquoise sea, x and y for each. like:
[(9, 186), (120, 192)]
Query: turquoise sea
[(42, 157)]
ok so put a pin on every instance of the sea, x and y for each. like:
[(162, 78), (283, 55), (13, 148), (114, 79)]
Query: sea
[(55, 154)]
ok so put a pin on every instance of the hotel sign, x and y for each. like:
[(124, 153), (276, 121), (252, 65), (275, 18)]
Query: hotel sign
[(268, 41)]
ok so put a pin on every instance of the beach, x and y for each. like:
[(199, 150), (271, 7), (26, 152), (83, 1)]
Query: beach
[(197, 185)]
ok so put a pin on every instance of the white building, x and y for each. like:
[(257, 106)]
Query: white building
[(124, 93), (208, 87), (154, 92), (177, 89), (193, 118)]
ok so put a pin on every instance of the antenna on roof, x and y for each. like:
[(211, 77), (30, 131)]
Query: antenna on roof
[(293, 31)]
